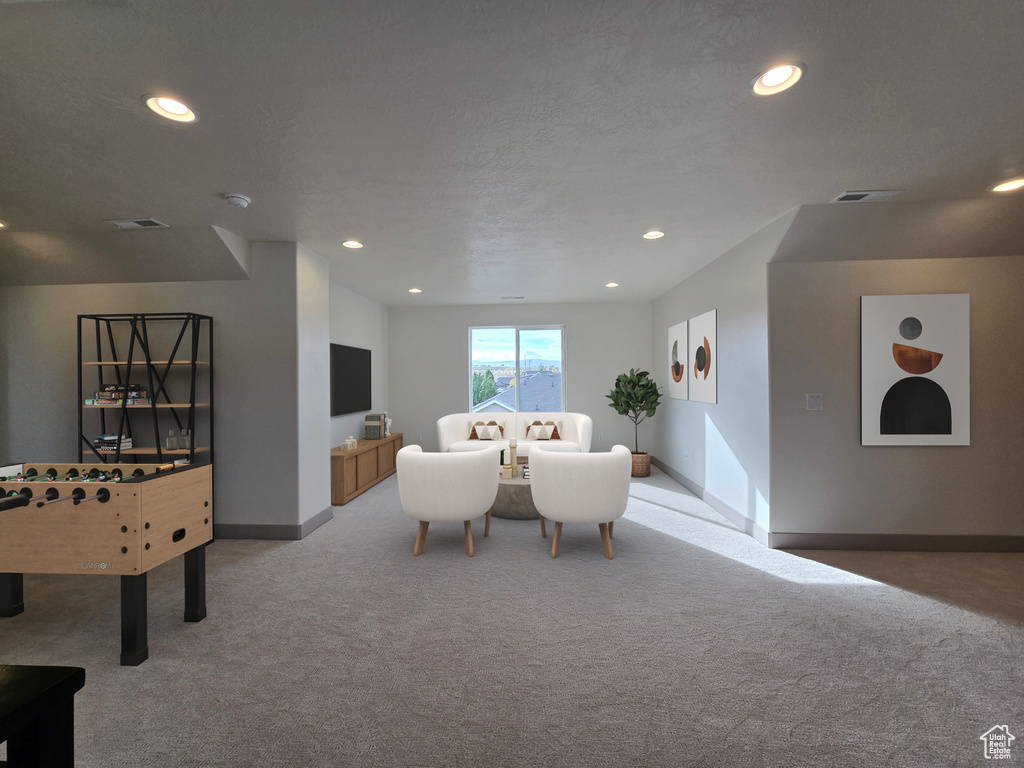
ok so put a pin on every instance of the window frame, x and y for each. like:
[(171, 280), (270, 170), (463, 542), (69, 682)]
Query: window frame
[(516, 329)]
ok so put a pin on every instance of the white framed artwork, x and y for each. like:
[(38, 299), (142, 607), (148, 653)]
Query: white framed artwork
[(677, 362), (915, 369), (703, 357)]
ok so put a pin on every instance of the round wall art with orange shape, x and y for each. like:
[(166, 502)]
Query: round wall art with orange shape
[(704, 357), (915, 369), (677, 356)]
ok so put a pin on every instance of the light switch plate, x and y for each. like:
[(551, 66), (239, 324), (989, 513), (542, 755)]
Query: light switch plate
[(815, 402)]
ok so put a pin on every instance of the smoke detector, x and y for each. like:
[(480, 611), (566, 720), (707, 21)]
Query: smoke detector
[(238, 201), (867, 196)]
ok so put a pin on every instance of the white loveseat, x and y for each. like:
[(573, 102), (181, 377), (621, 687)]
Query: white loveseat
[(576, 431)]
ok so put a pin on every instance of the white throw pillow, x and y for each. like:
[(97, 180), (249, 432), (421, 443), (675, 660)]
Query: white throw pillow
[(492, 430), (548, 430)]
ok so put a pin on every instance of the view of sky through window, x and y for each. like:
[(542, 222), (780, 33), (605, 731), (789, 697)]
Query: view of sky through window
[(495, 370)]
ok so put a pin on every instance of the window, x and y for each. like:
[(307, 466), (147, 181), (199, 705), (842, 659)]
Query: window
[(517, 369)]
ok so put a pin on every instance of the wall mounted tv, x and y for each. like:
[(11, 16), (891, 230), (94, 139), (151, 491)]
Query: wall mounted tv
[(350, 380)]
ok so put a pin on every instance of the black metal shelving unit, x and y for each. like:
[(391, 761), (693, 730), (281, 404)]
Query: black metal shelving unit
[(162, 377)]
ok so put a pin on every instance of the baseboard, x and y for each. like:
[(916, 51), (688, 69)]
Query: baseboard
[(680, 478), (896, 542), (323, 516), (734, 516), (737, 518), (273, 532)]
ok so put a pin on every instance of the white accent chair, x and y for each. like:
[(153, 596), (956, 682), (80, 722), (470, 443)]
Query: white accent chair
[(446, 488), (581, 488)]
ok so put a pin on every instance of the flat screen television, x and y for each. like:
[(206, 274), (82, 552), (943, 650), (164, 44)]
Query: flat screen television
[(350, 380)]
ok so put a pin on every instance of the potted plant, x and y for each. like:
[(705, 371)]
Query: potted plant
[(636, 395)]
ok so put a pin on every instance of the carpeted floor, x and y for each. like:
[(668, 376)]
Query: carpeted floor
[(694, 646)]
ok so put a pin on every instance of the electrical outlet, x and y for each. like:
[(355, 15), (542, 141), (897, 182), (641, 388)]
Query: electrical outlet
[(419, 437), (600, 437)]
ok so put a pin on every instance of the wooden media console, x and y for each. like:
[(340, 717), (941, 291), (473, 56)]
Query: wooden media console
[(355, 470)]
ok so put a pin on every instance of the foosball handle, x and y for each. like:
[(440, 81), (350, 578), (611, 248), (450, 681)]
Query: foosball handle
[(162, 467), (13, 502)]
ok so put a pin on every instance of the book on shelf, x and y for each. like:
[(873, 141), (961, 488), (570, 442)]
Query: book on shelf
[(118, 401)]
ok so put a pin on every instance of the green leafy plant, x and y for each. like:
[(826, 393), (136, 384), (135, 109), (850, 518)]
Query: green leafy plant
[(635, 395)]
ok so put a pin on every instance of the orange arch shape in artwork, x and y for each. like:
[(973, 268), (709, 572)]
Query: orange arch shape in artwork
[(707, 359), (914, 360), (677, 371)]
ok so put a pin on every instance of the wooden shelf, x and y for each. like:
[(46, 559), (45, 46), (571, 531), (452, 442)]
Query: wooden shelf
[(171, 385), (150, 451), (143, 362), (158, 405)]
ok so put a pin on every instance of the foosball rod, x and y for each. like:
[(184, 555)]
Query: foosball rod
[(78, 493)]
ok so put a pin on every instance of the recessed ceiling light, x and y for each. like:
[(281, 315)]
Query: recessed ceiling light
[(170, 108), (236, 200), (415, 290), (2, 225), (1009, 186), (778, 79), (611, 285), (352, 244), (654, 234)]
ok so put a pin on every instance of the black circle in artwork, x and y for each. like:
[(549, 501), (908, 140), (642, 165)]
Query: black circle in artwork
[(910, 328), (701, 358)]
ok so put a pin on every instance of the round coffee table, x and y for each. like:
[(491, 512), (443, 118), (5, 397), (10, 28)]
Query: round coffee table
[(514, 500)]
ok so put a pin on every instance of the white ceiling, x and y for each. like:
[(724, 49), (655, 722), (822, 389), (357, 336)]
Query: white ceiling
[(482, 148)]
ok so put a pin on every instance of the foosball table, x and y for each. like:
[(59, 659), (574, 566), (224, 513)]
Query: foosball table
[(106, 519)]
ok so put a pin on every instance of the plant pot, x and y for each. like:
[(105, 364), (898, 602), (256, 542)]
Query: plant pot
[(641, 464)]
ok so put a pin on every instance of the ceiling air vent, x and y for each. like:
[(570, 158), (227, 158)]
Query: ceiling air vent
[(867, 196), (512, 298), (136, 223)]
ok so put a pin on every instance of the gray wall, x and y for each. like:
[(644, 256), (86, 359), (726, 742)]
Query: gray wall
[(429, 362), (357, 321), (256, 383), (720, 451), (313, 377), (823, 480), (987, 226)]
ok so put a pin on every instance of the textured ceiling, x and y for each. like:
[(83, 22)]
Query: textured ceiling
[(485, 148)]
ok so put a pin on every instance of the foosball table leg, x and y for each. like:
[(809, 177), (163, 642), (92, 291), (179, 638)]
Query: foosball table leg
[(134, 636), (195, 584), (12, 600)]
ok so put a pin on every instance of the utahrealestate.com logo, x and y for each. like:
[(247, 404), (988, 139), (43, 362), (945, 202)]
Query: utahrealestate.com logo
[(997, 742)]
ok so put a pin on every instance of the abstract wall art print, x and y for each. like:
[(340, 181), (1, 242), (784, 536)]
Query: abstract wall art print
[(915, 354), (678, 362), (703, 362)]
